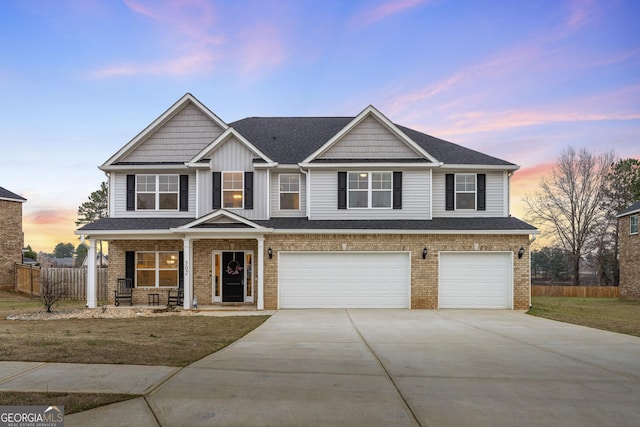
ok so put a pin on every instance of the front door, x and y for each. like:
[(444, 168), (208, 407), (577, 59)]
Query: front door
[(233, 276)]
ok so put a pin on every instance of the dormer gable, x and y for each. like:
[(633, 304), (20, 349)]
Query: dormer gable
[(176, 136), (220, 219), (370, 135), (223, 141)]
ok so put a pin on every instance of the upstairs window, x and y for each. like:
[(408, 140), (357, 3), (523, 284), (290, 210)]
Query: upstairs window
[(157, 192), (289, 191), (465, 191), (633, 224), (232, 190), (369, 190)]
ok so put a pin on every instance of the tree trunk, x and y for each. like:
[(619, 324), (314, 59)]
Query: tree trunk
[(576, 270)]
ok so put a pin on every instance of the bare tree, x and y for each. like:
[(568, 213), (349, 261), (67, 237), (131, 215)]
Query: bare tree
[(568, 203), (50, 292)]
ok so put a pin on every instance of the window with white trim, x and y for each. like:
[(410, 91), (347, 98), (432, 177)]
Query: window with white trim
[(369, 190), (157, 269), (465, 191), (157, 192), (232, 190), (289, 186), (633, 224)]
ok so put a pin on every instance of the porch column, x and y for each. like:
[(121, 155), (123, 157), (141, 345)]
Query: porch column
[(92, 282), (188, 283), (260, 273)]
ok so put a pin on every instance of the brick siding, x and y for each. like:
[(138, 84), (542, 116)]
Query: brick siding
[(11, 241), (629, 261)]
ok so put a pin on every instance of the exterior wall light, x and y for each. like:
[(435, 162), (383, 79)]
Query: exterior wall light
[(521, 252), (269, 253), (424, 252)]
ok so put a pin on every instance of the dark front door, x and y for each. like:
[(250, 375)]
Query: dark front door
[(233, 277)]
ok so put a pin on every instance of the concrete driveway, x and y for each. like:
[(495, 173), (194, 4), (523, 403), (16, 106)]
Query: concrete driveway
[(401, 367)]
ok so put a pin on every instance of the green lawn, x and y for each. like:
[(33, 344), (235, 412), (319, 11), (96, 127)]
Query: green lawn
[(610, 314)]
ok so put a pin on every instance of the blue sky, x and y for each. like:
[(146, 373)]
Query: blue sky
[(517, 80)]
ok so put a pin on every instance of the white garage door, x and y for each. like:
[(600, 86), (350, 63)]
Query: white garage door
[(475, 280), (344, 280)]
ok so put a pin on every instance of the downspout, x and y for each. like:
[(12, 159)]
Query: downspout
[(533, 239)]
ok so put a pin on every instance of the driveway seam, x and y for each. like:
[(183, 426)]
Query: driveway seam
[(384, 368), (26, 371)]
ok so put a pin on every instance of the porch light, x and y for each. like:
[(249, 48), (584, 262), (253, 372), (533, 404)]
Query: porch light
[(269, 253), (521, 252), (424, 252)]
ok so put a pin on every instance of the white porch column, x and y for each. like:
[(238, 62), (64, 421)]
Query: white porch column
[(188, 283), (260, 273), (92, 277)]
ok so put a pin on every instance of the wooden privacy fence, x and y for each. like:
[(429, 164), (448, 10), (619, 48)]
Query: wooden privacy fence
[(575, 291), (72, 282)]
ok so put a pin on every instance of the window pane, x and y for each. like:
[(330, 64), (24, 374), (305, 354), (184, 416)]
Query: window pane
[(249, 270), (146, 183), (381, 180), (168, 260), (232, 180), (289, 201), (168, 201), (633, 221), (358, 199), (146, 201), (289, 182), (146, 278), (465, 201), (217, 274), (146, 260), (233, 199), (168, 278), (358, 180), (465, 183), (381, 199), (168, 183)]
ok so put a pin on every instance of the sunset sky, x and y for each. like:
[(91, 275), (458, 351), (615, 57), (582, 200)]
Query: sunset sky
[(519, 80)]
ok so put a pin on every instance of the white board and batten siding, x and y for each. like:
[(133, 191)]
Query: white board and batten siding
[(369, 140), (496, 198), (481, 280), (118, 194), (180, 139), (344, 280), (415, 197)]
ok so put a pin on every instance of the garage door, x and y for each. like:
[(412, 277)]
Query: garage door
[(475, 280), (344, 280)]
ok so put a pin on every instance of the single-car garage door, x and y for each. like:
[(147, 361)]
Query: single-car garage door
[(475, 280), (344, 279)]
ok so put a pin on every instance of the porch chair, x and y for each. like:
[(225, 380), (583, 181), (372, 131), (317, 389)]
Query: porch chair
[(175, 298), (124, 292)]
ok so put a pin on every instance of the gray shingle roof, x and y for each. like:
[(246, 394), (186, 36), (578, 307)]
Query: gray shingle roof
[(6, 194), (631, 209), (436, 224), (290, 140)]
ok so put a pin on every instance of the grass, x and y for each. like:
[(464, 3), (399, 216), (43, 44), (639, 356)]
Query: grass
[(167, 340), (610, 314)]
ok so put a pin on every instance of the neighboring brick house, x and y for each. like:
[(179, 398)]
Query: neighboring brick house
[(629, 244), (297, 212), (11, 236)]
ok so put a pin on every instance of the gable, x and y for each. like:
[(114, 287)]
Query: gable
[(179, 139), (369, 139), (232, 154)]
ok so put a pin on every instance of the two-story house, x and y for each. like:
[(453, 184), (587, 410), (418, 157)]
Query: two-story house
[(629, 244), (11, 236), (301, 212)]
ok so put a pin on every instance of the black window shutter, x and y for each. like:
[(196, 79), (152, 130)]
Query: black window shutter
[(342, 190), (481, 182), (181, 269), (397, 190), (450, 191), (184, 193), (130, 265), (217, 190), (248, 190), (131, 192)]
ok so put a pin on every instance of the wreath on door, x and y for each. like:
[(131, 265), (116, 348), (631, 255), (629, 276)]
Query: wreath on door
[(234, 268)]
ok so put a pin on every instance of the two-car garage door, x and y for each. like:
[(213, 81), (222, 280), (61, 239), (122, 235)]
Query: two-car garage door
[(383, 280), (344, 279)]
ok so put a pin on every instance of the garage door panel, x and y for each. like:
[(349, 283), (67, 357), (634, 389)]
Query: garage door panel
[(475, 280), (343, 280)]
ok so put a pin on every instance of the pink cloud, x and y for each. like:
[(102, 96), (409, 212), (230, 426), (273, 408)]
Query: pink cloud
[(384, 10), (195, 63)]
